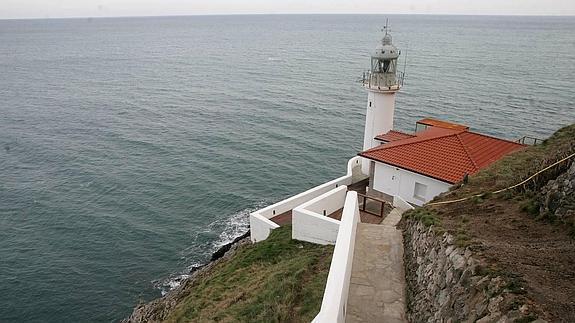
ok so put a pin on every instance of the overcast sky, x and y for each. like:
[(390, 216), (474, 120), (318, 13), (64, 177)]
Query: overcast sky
[(110, 8)]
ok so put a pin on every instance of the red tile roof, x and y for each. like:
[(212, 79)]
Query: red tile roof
[(393, 135), (442, 153)]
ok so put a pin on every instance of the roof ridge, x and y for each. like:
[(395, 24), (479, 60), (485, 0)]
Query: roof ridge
[(401, 131), (399, 144), (467, 151)]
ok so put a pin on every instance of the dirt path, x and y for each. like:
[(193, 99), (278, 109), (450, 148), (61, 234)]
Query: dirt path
[(537, 256)]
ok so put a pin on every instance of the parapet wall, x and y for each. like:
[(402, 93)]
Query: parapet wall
[(445, 283)]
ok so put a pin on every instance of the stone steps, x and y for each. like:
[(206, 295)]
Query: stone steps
[(377, 287)]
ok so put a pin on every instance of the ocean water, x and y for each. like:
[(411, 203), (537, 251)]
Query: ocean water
[(131, 148)]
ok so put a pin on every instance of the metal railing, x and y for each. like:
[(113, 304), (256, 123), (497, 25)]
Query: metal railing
[(376, 207), (372, 80), (527, 140)]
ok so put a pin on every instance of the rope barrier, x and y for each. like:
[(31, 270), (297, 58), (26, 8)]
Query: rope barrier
[(507, 188)]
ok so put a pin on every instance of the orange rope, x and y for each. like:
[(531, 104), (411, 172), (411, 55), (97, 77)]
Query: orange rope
[(507, 188)]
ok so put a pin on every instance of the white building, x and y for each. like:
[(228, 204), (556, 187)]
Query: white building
[(419, 166), (395, 169)]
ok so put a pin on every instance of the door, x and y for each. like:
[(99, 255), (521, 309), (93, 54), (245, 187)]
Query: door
[(394, 182)]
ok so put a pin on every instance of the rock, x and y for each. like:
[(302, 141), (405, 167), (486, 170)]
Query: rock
[(445, 283), (442, 299), (557, 197), (494, 303), (457, 260), (491, 318)]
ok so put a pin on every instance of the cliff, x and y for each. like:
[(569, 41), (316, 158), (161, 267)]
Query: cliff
[(504, 257), (276, 280)]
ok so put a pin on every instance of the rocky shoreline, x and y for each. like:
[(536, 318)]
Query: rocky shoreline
[(158, 309)]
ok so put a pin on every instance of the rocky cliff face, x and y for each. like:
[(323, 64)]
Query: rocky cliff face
[(557, 198), (445, 283)]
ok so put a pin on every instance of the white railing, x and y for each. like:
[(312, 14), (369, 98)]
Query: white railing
[(333, 306), (310, 221), (260, 223)]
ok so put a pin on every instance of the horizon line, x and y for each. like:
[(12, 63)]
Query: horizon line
[(291, 14)]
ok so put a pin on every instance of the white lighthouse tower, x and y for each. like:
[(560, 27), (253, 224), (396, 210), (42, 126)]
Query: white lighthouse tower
[(381, 82)]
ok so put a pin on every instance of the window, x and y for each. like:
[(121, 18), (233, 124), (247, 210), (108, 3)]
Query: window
[(420, 191), (370, 103)]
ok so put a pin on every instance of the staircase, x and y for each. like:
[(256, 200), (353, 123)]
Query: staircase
[(377, 286)]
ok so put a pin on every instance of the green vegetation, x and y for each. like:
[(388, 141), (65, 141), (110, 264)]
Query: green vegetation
[(276, 280), (519, 165), (427, 216), (530, 206), (506, 172)]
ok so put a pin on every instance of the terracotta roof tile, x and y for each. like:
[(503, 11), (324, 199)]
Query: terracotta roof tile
[(444, 154), (393, 135)]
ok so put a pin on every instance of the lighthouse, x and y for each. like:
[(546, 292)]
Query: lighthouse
[(382, 81)]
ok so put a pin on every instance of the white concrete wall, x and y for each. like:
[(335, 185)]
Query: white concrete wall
[(336, 291), (309, 222), (261, 226), (378, 119), (383, 181), (401, 204)]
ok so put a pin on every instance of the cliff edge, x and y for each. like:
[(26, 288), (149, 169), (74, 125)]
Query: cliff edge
[(498, 257), (276, 280)]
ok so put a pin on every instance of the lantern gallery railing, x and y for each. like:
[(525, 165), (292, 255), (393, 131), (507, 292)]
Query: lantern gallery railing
[(383, 81)]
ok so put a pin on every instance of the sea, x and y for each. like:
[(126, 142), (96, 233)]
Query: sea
[(132, 148)]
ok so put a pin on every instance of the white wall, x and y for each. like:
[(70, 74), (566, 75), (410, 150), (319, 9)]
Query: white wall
[(382, 180), (336, 291), (261, 226), (309, 222)]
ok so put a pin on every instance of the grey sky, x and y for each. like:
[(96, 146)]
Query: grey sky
[(107, 8)]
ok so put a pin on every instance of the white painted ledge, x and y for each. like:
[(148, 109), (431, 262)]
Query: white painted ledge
[(310, 221), (260, 228), (333, 306)]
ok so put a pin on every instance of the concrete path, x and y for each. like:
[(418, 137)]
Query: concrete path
[(377, 288)]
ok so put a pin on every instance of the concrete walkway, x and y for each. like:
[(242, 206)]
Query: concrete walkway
[(377, 288)]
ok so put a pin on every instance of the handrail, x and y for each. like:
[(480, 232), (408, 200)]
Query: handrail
[(534, 140), (363, 205), (369, 80)]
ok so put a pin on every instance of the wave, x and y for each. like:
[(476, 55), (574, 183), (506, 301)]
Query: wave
[(229, 230)]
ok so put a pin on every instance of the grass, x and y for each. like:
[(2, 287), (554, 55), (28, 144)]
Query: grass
[(506, 172), (517, 166), (276, 280), (426, 216)]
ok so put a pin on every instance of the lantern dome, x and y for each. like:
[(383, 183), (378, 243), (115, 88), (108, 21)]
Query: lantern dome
[(386, 50)]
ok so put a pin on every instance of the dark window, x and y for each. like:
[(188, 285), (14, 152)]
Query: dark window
[(386, 66)]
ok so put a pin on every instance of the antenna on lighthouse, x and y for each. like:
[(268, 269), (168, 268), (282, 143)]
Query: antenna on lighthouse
[(404, 65), (386, 27)]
